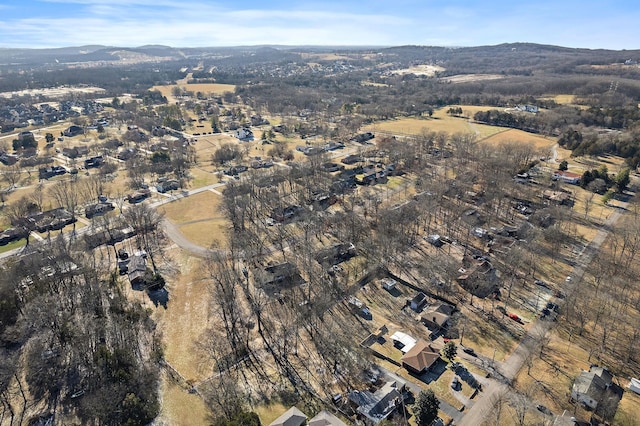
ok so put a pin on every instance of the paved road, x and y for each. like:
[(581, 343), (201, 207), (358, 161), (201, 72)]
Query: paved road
[(510, 368)]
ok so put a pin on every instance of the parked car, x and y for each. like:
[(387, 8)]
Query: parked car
[(543, 409), (469, 351)]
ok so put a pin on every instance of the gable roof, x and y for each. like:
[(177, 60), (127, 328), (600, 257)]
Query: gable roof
[(325, 418), (291, 417), (379, 405), (421, 356)]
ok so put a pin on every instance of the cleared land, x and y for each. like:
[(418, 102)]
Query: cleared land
[(210, 88), (513, 135), (467, 78), (199, 218), (423, 70)]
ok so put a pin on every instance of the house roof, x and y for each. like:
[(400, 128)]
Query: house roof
[(379, 405), (291, 417), (325, 418), (419, 298), (405, 339), (421, 356), (435, 317), (566, 174)]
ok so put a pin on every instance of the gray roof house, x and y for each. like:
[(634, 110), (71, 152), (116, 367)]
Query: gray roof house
[(291, 417), (377, 406), (325, 418), (595, 390)]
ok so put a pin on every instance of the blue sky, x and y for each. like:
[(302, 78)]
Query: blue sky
[(195, 23)]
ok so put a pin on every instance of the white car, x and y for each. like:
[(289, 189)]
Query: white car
[(568, 279)]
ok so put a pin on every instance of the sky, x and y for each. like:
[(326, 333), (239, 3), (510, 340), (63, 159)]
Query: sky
[(202, 23)]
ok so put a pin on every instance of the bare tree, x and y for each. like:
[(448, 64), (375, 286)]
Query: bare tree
[(147, 224)]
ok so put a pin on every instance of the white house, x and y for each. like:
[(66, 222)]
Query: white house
[(568, 177), (244, 134)]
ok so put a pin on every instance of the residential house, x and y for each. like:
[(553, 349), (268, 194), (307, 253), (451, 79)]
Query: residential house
[(363, 137), (351, 159), (244, 134), (379, 405), (25, 135), (389, 284), (434, 239), (75, 151), (96, 161), (279, 277), (420, 358), (418, 301), (595, 390), (73, 131), (8, 159), (325, 418), (48, 172), (557, 197), (51, 220), (284, 214), (403, 341), (436, 317), (567, 177), (291, 417), (168, 185), (137, 267), (97, 209), (481, 280), (335, 254)]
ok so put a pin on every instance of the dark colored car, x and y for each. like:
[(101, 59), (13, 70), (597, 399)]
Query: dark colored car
[(469, 351)]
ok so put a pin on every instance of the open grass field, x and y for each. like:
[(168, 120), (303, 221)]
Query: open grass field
[(181, 408), (199, 218), (440, 122), (561, 99), (206, 88), (540, 143), (184, 323)]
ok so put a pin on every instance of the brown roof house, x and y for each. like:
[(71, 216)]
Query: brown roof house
[(436, 317), (420, 358), (291, 417)]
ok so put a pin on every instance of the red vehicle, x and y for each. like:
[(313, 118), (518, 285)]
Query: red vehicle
[(514, 317)]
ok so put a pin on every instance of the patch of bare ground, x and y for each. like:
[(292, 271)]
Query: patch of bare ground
[(467, 78)]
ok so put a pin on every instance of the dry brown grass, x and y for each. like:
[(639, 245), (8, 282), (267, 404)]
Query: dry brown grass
[(180, 407), (629, 409), (184, 323), (440, 122), (539, 143), (199, 218), (561, 99), (269, 412), (206, 88)]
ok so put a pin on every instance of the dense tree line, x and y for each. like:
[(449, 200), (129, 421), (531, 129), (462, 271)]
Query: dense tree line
[(72, 342)]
